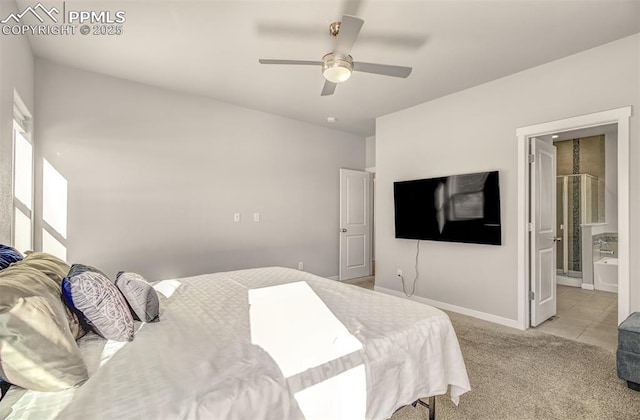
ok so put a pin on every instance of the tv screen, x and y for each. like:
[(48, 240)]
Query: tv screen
[(457, 208)]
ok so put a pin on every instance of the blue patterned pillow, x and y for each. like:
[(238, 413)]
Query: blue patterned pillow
[(99, 302), (81, 268), (8, 255)]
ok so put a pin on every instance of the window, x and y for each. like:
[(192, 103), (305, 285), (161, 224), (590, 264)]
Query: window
[(54, 193), (22, 237), (52, 246), (22, 187)]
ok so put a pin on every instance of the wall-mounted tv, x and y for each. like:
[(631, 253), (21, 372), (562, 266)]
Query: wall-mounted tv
[(457, 208)]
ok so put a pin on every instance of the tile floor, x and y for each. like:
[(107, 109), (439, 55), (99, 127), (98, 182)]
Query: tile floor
[(588, 316)]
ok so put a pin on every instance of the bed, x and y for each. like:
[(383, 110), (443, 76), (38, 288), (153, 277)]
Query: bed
[(203, 359)]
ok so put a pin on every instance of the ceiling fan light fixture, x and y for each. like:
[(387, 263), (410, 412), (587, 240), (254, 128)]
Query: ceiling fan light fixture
[(337, 74), (336, 68)]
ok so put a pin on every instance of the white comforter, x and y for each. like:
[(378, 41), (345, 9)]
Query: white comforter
[(198, 361)]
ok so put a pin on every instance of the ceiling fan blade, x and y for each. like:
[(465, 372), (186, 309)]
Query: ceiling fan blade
[(351, 7), (348, 33), (288, 30), (328, 88), (405, 41), (384, 69), (295, 62)]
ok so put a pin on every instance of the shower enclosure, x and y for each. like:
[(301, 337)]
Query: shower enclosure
[(579, 200)]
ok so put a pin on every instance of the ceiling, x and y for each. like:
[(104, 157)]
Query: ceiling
[(212, 48), (606, 129)]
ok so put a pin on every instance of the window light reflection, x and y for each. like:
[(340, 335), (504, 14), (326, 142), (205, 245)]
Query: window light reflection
[(300, 333)]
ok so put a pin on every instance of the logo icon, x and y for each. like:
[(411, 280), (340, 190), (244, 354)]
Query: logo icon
[(34, 11)]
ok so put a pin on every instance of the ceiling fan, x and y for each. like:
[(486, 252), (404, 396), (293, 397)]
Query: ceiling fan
[(338, 65)]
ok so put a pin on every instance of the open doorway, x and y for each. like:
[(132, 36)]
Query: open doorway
[(527, 282), (586, 208), (586, 205)]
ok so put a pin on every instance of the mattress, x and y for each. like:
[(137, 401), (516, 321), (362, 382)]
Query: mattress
[(199, 361)]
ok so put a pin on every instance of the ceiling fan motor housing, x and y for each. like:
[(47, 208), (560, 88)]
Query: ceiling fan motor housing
[(337, 68), (334, 28)]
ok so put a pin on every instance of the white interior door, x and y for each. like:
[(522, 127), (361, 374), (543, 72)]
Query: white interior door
[(355, 224), (543, 231)]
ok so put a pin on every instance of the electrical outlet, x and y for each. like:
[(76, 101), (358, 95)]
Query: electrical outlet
[(301, 266), (399, 273), (236, 217)]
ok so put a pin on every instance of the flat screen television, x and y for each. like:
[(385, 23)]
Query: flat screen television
[(457, 208)]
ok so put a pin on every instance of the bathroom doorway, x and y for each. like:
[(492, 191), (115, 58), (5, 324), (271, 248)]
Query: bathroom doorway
[(586, 227), (586, 204), (528, 284)]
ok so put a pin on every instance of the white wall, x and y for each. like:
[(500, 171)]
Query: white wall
[(475, 130), (370, 160), (16, 74), (611, 180), (155, 177), (370, 163), (610, 184)]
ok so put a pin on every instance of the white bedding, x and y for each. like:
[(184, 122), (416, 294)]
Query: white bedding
[(198, 361)]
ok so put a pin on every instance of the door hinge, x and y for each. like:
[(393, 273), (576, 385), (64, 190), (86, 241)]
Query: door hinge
[(530, 227), (532, 295), (532, 158)]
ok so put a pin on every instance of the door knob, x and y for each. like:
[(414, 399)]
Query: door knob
[(343, 230)]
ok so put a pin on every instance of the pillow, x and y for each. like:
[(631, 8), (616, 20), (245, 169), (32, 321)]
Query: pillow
[(73, 314), (8, 255), (56, 270), (140, 295), (77, 324), (37, 348), (49, 264), (81, 268), (4, 387), (99, 302)]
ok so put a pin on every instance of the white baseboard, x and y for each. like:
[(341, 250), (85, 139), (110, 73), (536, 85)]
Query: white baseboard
[(453, 308), (587, 286), (569, 281), (336, 277), (605, 288)]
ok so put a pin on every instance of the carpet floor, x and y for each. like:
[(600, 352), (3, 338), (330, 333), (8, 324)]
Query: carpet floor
[(524, 375)]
